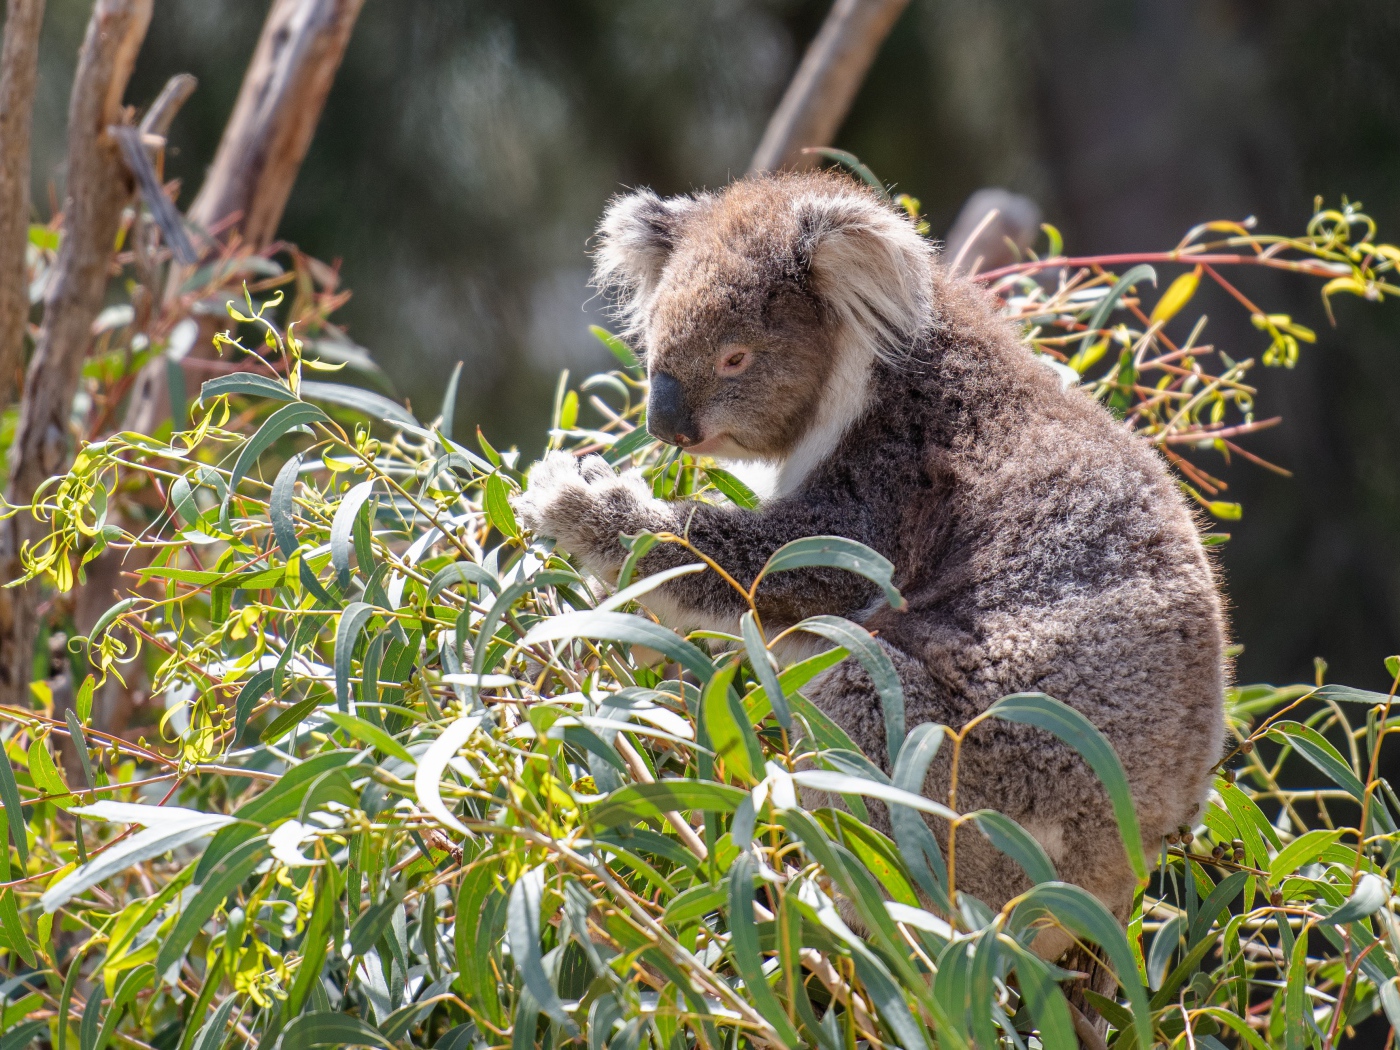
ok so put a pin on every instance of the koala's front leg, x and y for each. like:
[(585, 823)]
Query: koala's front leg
[(587, 507)]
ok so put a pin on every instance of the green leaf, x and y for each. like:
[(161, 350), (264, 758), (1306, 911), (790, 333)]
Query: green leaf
[(651, 801), (1370, 896), (427, 778), (694, 903), (375, 920), (732, 488), (304, 784), (1045, 1001), (1296, 1004), (523, 924), (19, 1037), (1314, 747), (126, 991), (223, 879), (1072, 728), (109, 617), (1164, 946), (46, 775), (331, 1029), (762, 665), (616, 346), (462, 573), (347, 633), (1080, 913), (1346, 694), (254, 689), (497, 504), (853, 164), (83, 701), (1219, 900), (744, 950), (862, 645), (1017, 843), (1106, 304), (921, 851), (14, 813), (627, 629), (374, 406), (314, 942), (836, 552), (478, 885), (80, 744), (275, 426), (341, 527), (790, 680), (371, 734), (845, 784), (731, 735), (281, 509), (790, 945), (1305, 849), (215, 1030), (12, 933), (248, 384)]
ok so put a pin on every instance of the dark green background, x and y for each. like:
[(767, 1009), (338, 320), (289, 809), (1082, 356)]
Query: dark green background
[(468, 147)]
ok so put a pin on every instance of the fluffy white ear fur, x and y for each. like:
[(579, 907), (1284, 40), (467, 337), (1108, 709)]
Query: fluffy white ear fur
[(635, 238), (871, 267)]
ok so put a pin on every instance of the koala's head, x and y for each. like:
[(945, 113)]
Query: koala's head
[(760, 309)]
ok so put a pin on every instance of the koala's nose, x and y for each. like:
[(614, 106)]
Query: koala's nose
[(668, 419)]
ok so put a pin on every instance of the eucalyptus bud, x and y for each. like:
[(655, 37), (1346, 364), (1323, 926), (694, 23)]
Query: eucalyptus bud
[(1247, 747)]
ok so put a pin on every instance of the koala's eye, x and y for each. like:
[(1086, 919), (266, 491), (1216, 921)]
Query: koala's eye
[(733, 360)]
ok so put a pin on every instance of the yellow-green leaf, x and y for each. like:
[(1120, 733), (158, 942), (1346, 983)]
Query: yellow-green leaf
[(1177, 295)]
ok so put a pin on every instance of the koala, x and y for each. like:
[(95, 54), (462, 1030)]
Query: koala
[(1040, 546)]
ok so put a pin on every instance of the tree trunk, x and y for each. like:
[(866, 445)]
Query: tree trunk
[(19, 63), (825, 85), (99, 187), (278, 108), (259, 155)]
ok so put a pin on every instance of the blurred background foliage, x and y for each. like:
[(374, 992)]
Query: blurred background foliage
[(468, 148)]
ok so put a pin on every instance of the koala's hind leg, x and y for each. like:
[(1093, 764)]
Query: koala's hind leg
[(848, 696)]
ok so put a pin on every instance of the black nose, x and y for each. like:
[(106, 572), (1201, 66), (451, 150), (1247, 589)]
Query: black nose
[(668, 419)]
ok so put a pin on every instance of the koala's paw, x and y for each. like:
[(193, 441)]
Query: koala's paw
[(584, 505)]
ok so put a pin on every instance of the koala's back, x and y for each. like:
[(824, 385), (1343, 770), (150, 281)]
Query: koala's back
[(1041, 547)]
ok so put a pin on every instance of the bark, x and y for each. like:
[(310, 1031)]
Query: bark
[(278, 108), (264, 143), (825, 85), (98, 188), (19, 61)]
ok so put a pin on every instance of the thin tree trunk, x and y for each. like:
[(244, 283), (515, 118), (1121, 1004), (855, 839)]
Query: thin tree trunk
[(19, 62), (264, 143), (278, 108), (98, 188), (825, 85)]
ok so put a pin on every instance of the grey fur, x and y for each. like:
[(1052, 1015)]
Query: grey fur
[(1040, 545)]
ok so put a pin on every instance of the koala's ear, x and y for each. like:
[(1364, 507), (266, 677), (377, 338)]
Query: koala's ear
[(869, 265), (635, 238)]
